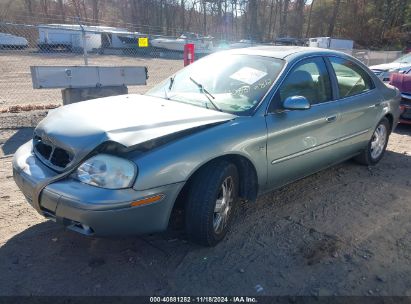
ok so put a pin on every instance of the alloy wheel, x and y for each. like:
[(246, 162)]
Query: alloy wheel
[(378, 141), (223, 205)]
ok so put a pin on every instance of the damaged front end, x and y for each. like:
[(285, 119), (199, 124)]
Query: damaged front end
[(80, 168), (86, 207)]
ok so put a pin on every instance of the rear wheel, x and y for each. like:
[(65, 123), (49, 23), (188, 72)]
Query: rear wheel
[(377, 145), (212, 198)]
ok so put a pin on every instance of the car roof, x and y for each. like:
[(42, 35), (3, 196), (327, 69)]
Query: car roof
[(284, 52)]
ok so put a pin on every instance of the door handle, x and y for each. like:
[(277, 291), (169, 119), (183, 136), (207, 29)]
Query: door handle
[(331, 118)]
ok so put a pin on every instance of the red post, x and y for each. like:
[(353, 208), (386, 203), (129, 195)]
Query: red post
[(188, 53)]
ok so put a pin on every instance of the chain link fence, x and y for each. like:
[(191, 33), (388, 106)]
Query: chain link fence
[(23, 45), (370, 58)]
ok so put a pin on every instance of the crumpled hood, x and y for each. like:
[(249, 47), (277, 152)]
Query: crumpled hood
[(389, 66), (127, 119)]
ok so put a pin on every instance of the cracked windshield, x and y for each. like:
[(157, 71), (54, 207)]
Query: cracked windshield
[(229, 83)]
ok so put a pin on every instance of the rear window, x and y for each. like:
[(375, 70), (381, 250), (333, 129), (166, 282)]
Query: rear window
[(351, 78)]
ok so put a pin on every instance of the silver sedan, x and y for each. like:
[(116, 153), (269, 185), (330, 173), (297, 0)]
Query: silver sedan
[(230, 127)]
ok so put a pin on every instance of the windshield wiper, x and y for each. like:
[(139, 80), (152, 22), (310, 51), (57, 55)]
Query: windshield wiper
[(209, 96), (171, 83), (169, 88)]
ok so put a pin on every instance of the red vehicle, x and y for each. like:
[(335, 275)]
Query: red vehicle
[(403, 83)]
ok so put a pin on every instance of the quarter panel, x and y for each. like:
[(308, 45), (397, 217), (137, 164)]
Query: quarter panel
[(392, 98)]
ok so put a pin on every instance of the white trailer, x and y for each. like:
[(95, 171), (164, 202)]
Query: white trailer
[(70, 36), (331, 43)]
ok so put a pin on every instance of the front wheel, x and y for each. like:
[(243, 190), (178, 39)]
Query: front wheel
[(377, 145), (212, 198)]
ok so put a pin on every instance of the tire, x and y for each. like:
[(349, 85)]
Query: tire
[(206, 222), (376, 146)]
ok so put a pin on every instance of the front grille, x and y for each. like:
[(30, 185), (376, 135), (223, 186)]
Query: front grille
[(51, 155), (60, 158), (42, 148)]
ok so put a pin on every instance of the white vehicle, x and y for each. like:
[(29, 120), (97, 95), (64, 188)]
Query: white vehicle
[(70, 36), (331, 43), (202, 44), (11, 41), (243, 44), (384, 71)]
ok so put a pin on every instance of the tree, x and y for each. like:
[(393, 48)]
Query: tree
[(183, 19), (254, 31), (95, 10), (333, 18), (29, 6), (62, 10), (45, 7), (283, 18), (204, 2), (309, 19)]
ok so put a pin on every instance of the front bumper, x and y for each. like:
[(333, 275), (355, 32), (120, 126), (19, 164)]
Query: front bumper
[(91, 210)]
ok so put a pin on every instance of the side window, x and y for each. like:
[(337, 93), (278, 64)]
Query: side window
[(351, 78), (309, 79)]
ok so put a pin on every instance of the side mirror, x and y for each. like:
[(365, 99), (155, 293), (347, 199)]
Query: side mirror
[(296, 103)]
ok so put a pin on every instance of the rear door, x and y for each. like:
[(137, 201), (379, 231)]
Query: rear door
[(300, 142), (359, 101)]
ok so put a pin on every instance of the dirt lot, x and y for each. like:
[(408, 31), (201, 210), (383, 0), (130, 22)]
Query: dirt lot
[(15, 78), (343, 231)]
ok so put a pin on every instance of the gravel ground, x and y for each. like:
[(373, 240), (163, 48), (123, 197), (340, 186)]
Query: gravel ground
[(343, 231), (15, 78)]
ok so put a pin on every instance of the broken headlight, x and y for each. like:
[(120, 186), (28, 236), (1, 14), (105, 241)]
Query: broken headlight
[(107, 171)]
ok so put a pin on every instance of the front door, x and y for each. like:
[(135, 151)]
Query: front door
[(301, 142)]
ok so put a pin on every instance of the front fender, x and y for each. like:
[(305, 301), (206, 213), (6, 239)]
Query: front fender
[(176, 161)]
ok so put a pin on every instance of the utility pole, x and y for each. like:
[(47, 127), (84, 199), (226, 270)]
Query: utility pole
[(83, 34)]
